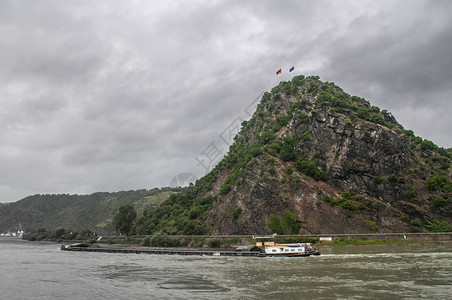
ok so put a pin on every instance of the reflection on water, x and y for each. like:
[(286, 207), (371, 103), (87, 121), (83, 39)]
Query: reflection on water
[(41, 271)]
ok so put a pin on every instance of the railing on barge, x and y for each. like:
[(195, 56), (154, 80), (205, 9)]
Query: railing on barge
[(162, 251)]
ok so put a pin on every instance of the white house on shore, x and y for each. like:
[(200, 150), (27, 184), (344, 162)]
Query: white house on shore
[(19, 233)]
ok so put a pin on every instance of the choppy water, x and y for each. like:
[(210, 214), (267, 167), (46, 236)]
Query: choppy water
[(32, 270)]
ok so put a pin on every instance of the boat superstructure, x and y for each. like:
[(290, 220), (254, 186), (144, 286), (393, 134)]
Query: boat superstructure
[(270, 248)]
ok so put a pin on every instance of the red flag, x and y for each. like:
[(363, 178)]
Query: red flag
[(278, 72)]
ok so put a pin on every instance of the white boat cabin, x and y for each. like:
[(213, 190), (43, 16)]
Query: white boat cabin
[(271, 247), (285, 249)]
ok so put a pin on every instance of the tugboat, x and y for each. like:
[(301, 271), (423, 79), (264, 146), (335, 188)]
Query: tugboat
[(270, 248)]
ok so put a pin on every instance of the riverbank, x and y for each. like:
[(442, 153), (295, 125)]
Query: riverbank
[(233, 241), (173, 241), (375, 242)]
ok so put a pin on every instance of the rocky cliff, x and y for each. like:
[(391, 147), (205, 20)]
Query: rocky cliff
[(314, 159)]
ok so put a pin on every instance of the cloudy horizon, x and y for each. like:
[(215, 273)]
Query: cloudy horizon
[(109, 96)]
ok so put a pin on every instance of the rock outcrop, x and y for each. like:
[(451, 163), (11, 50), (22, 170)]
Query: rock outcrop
[(314, 159), (337, 163)]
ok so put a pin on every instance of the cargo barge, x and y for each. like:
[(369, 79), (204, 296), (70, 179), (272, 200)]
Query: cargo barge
[(132, 250), (265, 247)]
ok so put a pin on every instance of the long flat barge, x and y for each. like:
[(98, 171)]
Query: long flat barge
[(159, 251)]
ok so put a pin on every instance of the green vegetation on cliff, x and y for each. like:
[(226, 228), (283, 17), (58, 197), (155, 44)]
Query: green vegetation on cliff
[(287, 225)]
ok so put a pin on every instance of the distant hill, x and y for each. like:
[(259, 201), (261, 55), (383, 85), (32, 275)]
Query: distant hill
[(314, 159), (77, 212)]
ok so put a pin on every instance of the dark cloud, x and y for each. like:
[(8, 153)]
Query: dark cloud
[(108, 95), (400, 63)]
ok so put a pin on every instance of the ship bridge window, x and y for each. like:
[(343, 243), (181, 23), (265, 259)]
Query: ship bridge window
[(274, 250), (292, 250)]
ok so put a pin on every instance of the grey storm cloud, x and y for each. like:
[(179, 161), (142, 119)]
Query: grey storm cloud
[(113, 95)]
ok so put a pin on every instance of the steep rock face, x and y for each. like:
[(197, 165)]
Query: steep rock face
[(258, 198), (337, 163)]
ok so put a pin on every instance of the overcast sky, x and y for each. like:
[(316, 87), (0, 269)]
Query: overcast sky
[(121, 95)]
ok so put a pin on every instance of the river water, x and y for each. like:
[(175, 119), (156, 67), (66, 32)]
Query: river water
[(39, 270)]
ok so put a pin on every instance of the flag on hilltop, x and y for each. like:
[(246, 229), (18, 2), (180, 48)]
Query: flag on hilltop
[(278, 72), (291, 69)]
